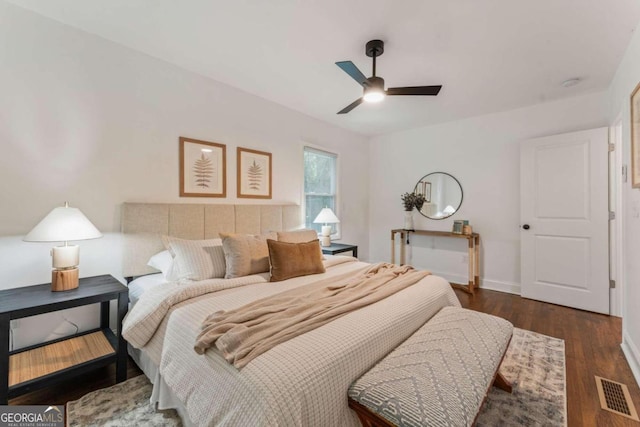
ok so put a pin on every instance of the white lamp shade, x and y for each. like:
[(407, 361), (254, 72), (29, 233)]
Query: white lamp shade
[(449, 210), (326, 216), (61, 225)]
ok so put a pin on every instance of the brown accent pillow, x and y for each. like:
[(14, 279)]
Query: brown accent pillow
[(290, 260), (297, 236), (245, 254)]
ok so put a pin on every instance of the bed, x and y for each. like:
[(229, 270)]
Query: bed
[(302, 381)]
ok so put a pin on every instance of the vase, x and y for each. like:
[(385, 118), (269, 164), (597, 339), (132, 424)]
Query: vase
[(408, 220)]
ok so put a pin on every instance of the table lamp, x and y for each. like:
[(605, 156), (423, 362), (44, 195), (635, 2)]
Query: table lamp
[(64, 224), (449, 210), (326, 217)]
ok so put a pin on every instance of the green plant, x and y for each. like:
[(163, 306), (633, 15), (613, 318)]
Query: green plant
[(412, 200), (419, 201)]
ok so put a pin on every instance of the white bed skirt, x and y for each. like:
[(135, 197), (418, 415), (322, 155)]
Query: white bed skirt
[(161, 397)]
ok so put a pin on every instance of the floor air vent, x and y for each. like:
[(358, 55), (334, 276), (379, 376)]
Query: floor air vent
[(615, 397)]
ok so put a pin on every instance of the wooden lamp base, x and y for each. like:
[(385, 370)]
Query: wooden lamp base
[(64, 280)]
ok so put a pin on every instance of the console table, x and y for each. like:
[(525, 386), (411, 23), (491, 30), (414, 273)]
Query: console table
[(474, 256)]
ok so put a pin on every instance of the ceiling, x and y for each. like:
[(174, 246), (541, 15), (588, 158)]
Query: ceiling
[(490, 55)]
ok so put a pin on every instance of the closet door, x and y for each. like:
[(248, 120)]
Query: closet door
[(564, 219)]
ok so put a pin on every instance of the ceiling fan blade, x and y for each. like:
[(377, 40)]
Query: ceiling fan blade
[(351, 106), (414, 90), (351, 69)]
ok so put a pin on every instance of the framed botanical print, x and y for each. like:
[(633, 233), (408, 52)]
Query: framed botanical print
[(202, 168), (254, 174), (635, 137)]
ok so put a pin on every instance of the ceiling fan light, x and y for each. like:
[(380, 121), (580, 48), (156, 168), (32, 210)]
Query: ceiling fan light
[(374, 96), (374, 89)]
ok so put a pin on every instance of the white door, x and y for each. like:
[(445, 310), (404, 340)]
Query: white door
[(564, 220)]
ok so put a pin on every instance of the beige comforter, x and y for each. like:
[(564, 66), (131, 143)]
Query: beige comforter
[(245, 333), (302, 381)]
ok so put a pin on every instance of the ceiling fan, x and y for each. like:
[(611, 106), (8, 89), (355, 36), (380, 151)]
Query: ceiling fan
[(374, 86)]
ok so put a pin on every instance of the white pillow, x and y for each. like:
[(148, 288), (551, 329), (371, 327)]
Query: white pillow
[(197, 259), (163, 261)]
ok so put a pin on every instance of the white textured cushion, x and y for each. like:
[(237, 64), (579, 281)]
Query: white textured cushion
[(164, 262), (197, 259), (297, 236), (246, 254)]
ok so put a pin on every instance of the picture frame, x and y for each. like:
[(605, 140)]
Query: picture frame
[(202, 168), (424, 188), (254, 174), (458, 227), (635, 137)]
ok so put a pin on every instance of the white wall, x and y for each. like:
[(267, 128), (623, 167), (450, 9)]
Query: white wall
[(626, 79), (91, 122), (483, 154)]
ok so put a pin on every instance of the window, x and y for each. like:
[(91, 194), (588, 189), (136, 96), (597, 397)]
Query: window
[(320, 176)]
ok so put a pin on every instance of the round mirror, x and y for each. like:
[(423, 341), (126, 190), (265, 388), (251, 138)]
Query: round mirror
[(442, 194)]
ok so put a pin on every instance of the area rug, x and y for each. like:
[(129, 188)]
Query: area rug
[(534, 364), (124, 404)]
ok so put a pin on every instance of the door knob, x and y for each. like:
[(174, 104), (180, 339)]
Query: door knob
[(526, 226)]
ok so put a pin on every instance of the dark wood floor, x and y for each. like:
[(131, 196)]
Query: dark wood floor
[(592, 347)]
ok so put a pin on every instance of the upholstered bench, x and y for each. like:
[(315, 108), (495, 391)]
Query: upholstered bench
[(439, 376)]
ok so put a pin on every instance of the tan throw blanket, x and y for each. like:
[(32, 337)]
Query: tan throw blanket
[(246, 332)]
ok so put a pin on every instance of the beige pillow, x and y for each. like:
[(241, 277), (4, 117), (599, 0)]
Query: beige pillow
[(290, 260), (245, 254), (297, 236), (197, 259)]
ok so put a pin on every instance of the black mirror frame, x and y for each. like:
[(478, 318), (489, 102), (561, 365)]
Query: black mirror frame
[(461, 195)]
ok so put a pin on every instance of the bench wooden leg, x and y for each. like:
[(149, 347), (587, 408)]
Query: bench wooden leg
[(368, 418), (502, 383)]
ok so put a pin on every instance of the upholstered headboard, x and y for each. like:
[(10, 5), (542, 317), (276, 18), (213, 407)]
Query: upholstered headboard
[(143, 225)]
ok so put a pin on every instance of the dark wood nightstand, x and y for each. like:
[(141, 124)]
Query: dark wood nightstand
[(338, 248), (41, 365)]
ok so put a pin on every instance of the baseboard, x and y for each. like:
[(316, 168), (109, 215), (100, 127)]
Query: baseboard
[(492, 285), (632, 354)]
